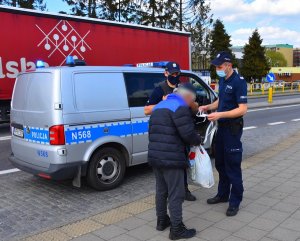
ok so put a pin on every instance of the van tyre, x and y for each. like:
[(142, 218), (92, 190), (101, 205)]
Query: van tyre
[(106, 169)]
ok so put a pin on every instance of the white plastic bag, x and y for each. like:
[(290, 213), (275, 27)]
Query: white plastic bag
[(202, 172)]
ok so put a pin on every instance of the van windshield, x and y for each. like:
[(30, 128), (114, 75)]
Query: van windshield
[(33, 92)]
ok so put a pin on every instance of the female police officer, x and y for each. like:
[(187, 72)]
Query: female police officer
[(231, 106)]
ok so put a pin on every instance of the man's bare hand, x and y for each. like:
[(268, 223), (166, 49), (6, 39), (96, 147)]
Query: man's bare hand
[(214, 116), (203, 108), (165, 97)]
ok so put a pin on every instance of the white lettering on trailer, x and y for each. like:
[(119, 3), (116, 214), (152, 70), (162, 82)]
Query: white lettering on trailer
[(11, 68)]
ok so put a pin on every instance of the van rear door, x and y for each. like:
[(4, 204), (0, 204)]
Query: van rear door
[(35, 98)]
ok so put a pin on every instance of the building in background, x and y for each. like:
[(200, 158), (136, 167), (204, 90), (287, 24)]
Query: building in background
[(297, 57), (285, 49), (287, 74)]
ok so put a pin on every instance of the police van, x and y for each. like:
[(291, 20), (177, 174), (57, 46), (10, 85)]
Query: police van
[(68, 122)]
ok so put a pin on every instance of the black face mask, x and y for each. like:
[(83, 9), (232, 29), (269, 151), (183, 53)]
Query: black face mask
[(173, 80)]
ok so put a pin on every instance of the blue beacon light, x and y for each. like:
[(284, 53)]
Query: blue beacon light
[(70, 60), (40, 64)]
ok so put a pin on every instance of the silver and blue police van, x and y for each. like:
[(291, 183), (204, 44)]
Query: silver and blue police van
[(87, 121)]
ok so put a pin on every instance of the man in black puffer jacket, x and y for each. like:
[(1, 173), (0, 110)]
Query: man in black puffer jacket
[(171, 131)]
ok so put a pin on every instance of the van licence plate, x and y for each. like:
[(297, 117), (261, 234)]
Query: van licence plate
[(18, 132)]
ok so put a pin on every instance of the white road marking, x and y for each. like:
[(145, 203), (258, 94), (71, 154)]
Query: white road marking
[(249, 128), (270, 108), (5, 138), (276, 123), (9, 171), (295, 120)]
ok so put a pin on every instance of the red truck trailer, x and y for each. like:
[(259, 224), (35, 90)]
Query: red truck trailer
[(27, 36)]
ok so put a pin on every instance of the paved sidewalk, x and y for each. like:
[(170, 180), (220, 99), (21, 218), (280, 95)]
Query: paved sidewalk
[(270, 209)]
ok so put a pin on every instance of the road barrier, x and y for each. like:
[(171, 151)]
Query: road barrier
[(277, 87), (263, 88), (270, 95)]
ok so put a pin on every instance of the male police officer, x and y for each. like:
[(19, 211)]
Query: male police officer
[(165, 88), (231, 106), (171, 130)]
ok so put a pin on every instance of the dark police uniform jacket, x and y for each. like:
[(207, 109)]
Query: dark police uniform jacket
[(171, 130), (232, 92), (159, 92)]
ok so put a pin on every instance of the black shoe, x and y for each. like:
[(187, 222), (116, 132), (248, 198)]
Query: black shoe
[(163, 223), (189, 196), (216, 200), (181, 232), (232, 211)]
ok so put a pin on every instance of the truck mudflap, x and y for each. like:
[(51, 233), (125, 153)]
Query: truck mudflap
[(55, 171)]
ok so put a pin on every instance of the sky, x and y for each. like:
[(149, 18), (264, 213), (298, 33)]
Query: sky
[(278, 21)]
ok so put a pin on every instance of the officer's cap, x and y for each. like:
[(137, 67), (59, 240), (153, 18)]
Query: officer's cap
[(221, 58), (173, 67)]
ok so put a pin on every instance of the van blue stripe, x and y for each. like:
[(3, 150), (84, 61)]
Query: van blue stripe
[(89, 133)]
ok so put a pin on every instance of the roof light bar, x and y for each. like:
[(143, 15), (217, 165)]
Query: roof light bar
[(160, 64)]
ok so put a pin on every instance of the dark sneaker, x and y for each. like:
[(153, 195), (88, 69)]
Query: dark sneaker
[(163, 223), (189, 196), (232, 211), (216, 200), (181, 232)]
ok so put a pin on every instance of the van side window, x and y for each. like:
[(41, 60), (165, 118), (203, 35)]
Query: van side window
[(92, 89), (140, 86)]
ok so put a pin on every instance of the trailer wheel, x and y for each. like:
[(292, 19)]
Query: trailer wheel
[(106, 169)]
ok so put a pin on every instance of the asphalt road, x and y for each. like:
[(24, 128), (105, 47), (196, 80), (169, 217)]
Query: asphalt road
[(275, 97), (268, 126), (4, 147)]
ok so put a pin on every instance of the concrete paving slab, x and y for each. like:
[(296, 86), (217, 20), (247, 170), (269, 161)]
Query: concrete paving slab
[(292, 224), (230, 225), (249, 233), (88, 237), (131, 223), (144, 232), (109, 232), (275, 215), (213, 234), (264, 224), (284, 234)]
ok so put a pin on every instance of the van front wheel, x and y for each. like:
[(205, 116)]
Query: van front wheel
[(106, 169)]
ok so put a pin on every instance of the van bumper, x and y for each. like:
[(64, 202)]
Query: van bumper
[(55, 171)]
